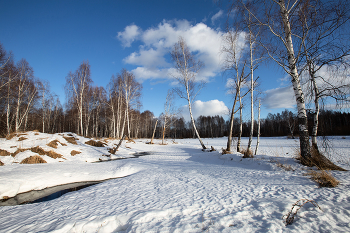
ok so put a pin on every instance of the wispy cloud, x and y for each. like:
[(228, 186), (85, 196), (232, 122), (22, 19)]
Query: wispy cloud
[(217, 16)]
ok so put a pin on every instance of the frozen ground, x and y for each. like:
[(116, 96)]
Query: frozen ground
[(177, 188)]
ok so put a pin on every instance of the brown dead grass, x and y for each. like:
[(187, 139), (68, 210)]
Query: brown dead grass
[(112, 150), (12, 135), (247, 153), (22, 139), (323, 178), (38, 150), (53, 154), (74, 152), (18, 151), (54, 144), (318, 160), (95, 143), (33, 159), (50, 153), (4, 153), (71, 140), (1, 163)]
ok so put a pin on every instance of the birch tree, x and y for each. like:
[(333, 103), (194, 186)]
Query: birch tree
[(233, 49), (168, 114), (283, 40), (187, 68), (77, 84), (131, 91)]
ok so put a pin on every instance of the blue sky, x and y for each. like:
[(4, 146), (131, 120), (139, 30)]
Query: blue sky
[(56, 36)]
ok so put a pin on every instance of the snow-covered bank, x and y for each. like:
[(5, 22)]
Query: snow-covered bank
[(179, 188)]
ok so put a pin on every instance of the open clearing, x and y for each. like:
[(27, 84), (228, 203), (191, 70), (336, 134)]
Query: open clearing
[(173, 188)]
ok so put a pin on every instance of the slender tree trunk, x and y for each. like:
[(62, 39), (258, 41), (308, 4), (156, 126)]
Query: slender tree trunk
[(229, 139), (258, 136), (155, 127), (240, 124), (251, 89), (164, 126), (192, 120), (299, 95)]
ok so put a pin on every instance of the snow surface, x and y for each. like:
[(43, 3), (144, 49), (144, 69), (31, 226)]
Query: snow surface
[(177, 188)]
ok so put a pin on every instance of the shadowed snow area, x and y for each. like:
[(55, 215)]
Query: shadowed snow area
[(179, 188)]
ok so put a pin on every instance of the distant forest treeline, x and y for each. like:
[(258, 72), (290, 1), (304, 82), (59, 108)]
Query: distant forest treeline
[(26, 103)]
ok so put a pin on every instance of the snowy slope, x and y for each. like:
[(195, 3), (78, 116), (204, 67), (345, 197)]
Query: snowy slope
[(179, 188)]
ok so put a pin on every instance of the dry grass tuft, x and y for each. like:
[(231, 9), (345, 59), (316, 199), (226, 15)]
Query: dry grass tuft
[(247, 153), (95, 143), (112, 150), (33, 159), (53, 144), (296, 207), (323, 178), (18, 151), (53, 154), (225, 151), (71, 139), (4, 153), (74, 152), (50, 153), (1, 163), (22, 139), (284, 166), (38, 150), (10, 136), (319, 160)]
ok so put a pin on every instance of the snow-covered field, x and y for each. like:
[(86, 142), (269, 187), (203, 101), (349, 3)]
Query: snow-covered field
[(176, 188)]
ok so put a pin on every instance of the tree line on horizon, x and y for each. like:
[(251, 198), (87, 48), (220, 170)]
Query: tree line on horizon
[(26, 103)]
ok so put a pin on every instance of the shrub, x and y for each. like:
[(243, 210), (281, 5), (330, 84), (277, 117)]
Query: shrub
[(33, 159), (295, 208)]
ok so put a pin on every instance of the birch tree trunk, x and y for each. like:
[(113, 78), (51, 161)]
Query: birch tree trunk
[(258, 136), (299, 95), (251, 43)]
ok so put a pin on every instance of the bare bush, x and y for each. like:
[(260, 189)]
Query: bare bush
[(295, 208)]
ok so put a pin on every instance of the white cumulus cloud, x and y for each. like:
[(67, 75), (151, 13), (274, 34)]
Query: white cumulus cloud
[(208, 108), (157, 42), (129, 35)]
